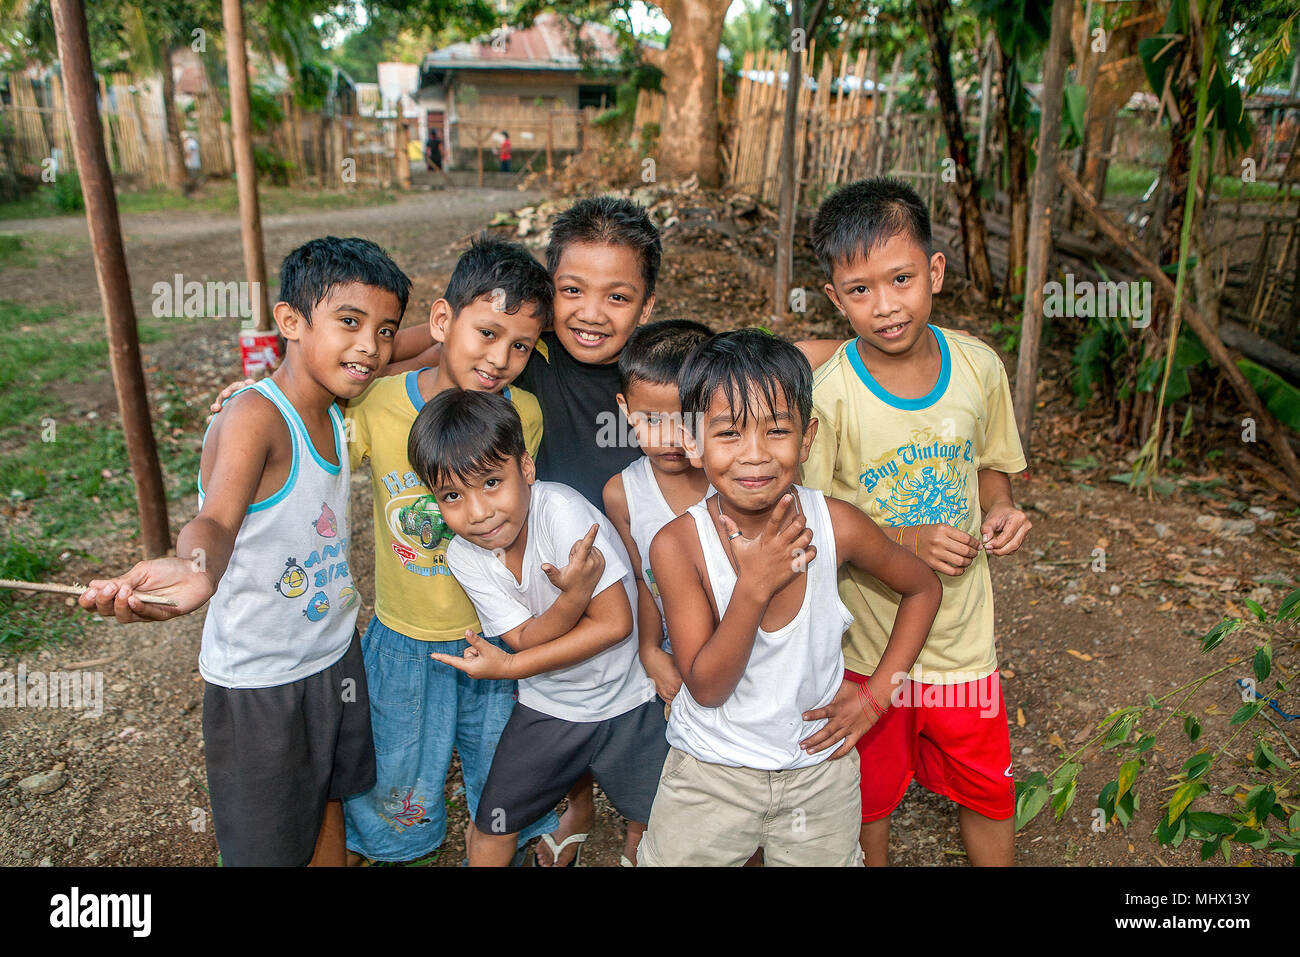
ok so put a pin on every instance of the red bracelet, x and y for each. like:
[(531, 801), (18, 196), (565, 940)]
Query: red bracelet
[(862, 690)]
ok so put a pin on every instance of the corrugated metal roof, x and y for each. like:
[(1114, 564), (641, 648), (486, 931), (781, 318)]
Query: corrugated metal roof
[(543, 46)]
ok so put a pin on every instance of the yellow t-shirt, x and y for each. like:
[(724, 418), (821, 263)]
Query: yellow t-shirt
[(915, 462), (414, 591)]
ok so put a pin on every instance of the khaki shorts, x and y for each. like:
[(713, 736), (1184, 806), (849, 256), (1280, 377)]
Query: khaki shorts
[(710, 815)]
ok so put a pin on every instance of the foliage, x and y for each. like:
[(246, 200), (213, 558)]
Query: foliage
[(1265, 800), (1279, 396)]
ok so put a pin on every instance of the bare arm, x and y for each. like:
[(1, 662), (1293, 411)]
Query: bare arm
[(712, 658), (576, 582), (818, 351), (649, 623)]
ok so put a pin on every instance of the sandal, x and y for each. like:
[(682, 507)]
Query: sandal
[(555, 849), (624, 862)]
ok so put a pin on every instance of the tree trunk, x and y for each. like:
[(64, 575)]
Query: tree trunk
[(1040, 220), (177, 175), (973, 237), (111, 272), (1013, 135), (688, 138)]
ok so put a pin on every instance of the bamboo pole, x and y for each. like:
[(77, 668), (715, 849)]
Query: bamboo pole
[(111, 273), (250, 217)]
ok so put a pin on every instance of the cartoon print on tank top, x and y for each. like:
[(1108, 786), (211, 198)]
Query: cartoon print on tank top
[(326, 564), (294, 580)]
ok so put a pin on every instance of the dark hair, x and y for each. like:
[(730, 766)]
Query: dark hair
[(749, 366), (655, 352), (855, 219), (608, 220), (492, 266), (313, 270), (462, 433)]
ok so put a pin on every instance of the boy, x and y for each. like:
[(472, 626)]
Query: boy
[(748, 580), (286, 720), (603, 256), (917, 431), (585, 704), (495, 305), (660, 485)]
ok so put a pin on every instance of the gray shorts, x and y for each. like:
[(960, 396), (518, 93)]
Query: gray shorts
[(540, 757), (276, 755)]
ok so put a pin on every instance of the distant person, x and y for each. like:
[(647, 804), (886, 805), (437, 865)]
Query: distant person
[(191, 147), (433, 151), (503, 152)]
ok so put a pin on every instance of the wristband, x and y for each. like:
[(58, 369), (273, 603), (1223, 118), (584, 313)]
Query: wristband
[(863, 692)]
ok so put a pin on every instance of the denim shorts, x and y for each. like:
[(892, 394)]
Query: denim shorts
[(420, 709)]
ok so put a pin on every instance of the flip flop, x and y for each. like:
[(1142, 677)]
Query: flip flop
[(555, 849), (624, 862)]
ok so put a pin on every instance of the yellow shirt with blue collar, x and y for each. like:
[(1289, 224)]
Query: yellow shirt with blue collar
[(916, 462), (415, 593)]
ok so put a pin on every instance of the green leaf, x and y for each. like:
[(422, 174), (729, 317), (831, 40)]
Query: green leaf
[(1247, 711), (1106, 798), (1171, 833), (1126, 807), (1209, 847), (1192, 726), (1279, 396), (1251, 837), (1290, 607), (1198, 764), (1120, 731), (1152, 702), (1214, 637), (1263, 663), (1264, 756), (1146, 743), (1205, 822), (1256, 609), (1031, 794), (1187, 792)]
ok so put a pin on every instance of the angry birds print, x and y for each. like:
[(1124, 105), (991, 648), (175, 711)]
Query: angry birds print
[(326, 525), (294, 580), (318, 607)]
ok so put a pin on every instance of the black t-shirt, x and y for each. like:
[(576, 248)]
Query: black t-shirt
[(585, 438)]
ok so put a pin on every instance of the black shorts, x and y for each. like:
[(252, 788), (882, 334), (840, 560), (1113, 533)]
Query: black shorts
[(276, 755), (540, 757)]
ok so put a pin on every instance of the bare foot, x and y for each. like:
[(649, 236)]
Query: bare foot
[(578, 818)]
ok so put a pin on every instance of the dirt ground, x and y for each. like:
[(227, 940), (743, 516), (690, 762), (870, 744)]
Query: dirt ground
[(1074, 643)]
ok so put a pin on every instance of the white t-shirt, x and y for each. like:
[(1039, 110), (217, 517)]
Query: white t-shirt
[(604, 686)]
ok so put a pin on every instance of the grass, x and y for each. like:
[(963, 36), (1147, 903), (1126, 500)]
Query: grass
[(213, 197), (24, 251), (65, 477), (1131, 179)]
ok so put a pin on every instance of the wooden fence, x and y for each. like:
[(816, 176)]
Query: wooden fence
[(329, 150)]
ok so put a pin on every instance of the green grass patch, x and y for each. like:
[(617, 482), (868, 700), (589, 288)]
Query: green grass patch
[(67, 477), (26, 250), (214, 197), (1131, 179)]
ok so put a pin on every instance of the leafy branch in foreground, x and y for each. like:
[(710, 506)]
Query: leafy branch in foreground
[(1264, 790)]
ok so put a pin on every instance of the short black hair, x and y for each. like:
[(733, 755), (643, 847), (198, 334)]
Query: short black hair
[(608, 220), (313, 270), (749, 366), (655, 352), (463, 433), (855, 219), (494, 266)]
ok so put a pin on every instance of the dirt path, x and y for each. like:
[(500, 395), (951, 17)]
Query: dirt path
[(1074, 643)]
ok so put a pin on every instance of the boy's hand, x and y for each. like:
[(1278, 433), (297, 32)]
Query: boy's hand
[(482, 659), (782, 550), (586, 565), (226, 393), (846, 717), (944, 548), (1004, 529), (171, 578), (661, 668)]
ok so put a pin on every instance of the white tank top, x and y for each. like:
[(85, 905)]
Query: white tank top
[(286, 607), (795, 669), (647, 511)]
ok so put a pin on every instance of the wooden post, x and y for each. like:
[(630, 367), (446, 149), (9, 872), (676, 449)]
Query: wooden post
[(1040, 220), (550, 135), (110, 271), (241, 110)]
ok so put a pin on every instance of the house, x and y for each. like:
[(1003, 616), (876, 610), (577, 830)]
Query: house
[(516, 80)]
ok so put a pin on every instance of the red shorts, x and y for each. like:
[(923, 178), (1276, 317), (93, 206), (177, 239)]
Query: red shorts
[(952, 738)]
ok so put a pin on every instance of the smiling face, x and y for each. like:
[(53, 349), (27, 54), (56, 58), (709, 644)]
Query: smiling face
[(751, 460), (489, 509), (654, 410), (483, 348), (599, 300), (349, 338), (886, 295)]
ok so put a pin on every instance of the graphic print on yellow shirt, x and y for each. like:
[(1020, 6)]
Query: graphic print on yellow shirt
[(909, 462), (415, 593)]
